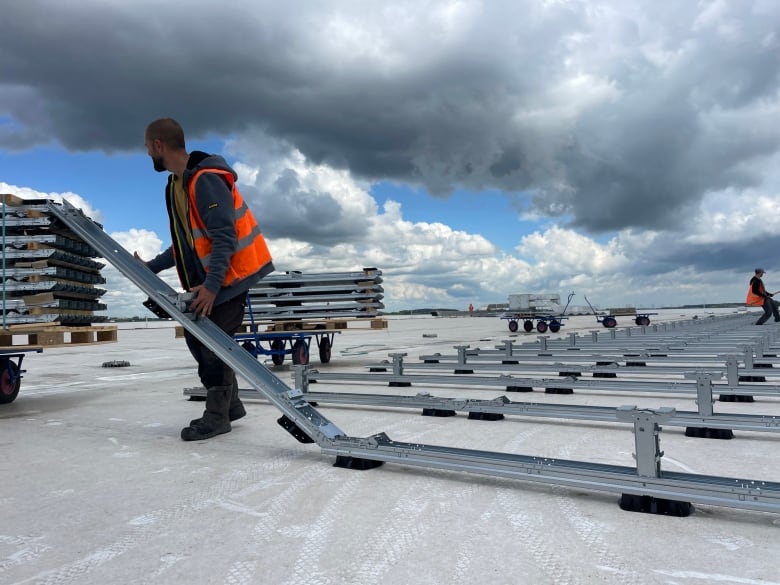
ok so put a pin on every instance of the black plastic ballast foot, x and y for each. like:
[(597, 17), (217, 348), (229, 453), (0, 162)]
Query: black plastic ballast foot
[(604, 375), (570, 374), (735, 398), (485, 416), (558, 391), (519, 389), (653, 505), (752, 378), (399, 384), (294, 430), (437, 412), (709, 433), (463, 372), (349, 462)]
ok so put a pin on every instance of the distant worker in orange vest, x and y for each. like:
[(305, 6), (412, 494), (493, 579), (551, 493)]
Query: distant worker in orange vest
[(758, 297), (471, 307)]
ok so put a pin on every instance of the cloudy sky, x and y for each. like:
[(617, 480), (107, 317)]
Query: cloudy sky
[(627, 150)]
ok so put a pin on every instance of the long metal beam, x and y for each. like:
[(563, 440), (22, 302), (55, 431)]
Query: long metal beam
[(516, 383), (731, 369), (646, 479)]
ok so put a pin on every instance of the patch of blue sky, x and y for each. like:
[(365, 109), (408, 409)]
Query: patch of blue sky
[(488, 213)]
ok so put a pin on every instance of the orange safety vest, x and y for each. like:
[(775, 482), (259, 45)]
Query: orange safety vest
[(752, 298), (252, 252)]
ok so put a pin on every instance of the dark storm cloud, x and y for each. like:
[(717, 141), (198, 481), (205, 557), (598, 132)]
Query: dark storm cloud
[(674, 99), (668, 255), (290, 210)]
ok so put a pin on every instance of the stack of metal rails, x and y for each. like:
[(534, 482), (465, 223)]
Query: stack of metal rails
[(295, 307), (325, 295), (48, 273)]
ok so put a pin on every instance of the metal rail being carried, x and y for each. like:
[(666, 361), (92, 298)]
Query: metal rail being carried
[(645, 487)]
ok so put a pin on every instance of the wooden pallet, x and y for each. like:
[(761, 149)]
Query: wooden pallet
[(23, 336), (320, 325), (313, 325)]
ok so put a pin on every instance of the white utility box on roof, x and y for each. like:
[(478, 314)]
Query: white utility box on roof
[(534, 302)]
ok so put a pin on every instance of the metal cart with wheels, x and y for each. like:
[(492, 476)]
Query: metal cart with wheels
[(642, 319), (278, 344), (296, 344), (11, 372), (543, 321)]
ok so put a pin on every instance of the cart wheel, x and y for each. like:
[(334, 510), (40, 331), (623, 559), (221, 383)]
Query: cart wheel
[(541, 327), (528, 326), (610, 322), (513, 326), (249, 346), (325, 347), (9, 390), (555, 326), (300, 353), (277, 347), (643, 321)]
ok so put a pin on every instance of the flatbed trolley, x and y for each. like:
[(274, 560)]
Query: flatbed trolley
[(11, 371), (543, 322), (278, 344), (642, 319)]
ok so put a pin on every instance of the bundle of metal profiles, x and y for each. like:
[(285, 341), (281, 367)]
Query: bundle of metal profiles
[(296, 295), (645, 487), (48, 273)]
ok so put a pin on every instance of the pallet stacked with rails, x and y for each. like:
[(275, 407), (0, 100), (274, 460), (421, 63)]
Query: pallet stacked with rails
[(297, 300), (49, 279)]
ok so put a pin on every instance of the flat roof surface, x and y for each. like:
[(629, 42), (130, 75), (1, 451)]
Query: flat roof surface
[(98, 488)]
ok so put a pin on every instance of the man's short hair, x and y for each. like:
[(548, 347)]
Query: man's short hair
[(167, 131)]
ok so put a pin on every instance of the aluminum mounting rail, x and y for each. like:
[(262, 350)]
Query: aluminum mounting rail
[(496, 408), (645, 486), (526, 384), (636, 359), (730, 369), (508, 349)]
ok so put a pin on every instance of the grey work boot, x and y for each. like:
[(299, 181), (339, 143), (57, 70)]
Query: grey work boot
[(215, 420), (237, 409)]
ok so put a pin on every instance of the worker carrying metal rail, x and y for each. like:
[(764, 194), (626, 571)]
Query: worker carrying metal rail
[(219, 253), (757, 296)]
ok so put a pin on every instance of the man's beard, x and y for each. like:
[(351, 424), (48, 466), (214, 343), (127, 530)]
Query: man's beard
[(159, 164)]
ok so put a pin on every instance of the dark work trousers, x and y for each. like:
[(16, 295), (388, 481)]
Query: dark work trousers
[(228, 316), (770, 307)]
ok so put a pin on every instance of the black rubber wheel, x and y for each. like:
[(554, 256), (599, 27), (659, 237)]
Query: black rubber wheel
[(300, 353), (325, 348), (9, 390), (610, 322), (513, 326), (555, 326), (277, 345), (643, 321), (528, 326), (541, 327), (249, 346)]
